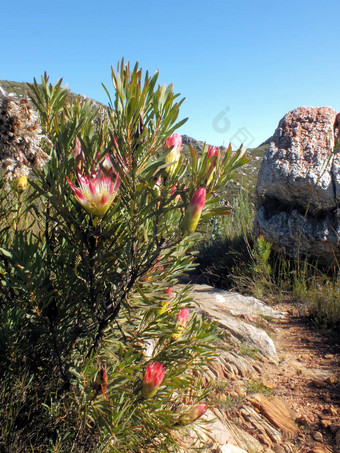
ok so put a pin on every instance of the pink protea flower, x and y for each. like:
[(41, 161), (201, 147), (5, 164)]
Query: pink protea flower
[(194, 211), (95, 192), (193, 414), (174, 142), (213, 151), (153, 378)]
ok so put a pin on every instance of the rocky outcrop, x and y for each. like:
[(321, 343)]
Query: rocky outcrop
[(298, 189)]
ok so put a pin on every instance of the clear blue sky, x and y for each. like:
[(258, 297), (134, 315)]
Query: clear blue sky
[(241, 65)]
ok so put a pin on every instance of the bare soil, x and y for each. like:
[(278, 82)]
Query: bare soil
[(307, 378)]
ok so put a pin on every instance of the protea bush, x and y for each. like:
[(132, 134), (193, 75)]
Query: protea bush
[(99, 347)]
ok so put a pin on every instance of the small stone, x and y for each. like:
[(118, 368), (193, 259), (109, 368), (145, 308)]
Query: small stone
[(240, 391), (318, 436), (232, 393), (332, 379), (327, 398), (257, 368), (326, 422), (302, 420), (329, 356), (268, 385), (289, 447)]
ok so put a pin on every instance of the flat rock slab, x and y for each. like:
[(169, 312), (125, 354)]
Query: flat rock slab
[(232, 302), (254, 337), (225, 307)]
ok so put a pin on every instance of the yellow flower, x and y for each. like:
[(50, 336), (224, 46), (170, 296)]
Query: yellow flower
[(20, 183)]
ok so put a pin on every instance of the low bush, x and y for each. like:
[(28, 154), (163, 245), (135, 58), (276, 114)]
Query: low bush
[(100, 216)]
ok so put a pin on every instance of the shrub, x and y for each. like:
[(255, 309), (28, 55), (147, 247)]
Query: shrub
[(97, 354)]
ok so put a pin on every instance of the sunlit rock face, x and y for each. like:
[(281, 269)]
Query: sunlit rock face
[(298, 189)]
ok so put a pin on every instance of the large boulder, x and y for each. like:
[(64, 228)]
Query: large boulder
[(298, 188)]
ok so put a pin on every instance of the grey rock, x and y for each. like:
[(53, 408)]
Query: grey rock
[(252, 336), (298, 188), (222, 307), (219, 429), (231, 449), (232, 302), (295, 233), (297, 167)]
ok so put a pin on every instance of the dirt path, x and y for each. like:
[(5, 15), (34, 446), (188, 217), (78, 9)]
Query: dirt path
[(256, 386), (307, 379)]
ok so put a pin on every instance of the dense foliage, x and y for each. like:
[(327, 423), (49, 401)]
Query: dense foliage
[(99, 349)]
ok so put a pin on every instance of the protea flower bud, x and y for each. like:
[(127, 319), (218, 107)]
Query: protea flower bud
[(182, 317), (153, 378), (100, 384), (165, 303), (194, 211), (107, 164), (78, 155), (181, 321), (213, 151), (174, 142), (193, 414)]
